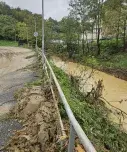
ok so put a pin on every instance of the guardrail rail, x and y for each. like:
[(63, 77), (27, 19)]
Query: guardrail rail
[(75, 128)]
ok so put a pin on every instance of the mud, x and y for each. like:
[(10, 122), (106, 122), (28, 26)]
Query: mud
[(12, 77), (118, 73), (37, 112)]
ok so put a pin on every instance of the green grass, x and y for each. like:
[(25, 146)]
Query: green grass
[(8, 43), (115, 61), (105, 135)]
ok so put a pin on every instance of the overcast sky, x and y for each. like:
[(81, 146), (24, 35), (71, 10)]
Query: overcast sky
[(53, 8)]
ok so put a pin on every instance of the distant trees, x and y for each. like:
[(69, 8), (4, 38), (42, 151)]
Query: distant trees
[(114, 20), (69, 34), (89, 12), (96, 17), (7, 27), (17, 24), (21, 29)]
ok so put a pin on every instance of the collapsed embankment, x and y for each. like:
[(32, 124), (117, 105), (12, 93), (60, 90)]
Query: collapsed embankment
[(38, 114)]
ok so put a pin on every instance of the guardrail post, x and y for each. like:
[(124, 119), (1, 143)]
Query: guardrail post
[(71, 145), (75, 128), (50, 78)]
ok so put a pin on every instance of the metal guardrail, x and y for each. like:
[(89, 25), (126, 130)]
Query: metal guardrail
[(75, 128)]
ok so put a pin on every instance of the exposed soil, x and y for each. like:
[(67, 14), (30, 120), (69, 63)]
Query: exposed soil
[(118, 73), (36, 109)]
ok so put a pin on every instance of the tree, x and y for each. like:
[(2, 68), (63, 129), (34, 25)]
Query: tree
[(70, 37), (21, 31), (7, 27), (89, 13), (114, 20)]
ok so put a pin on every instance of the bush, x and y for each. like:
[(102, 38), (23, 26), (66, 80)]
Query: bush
[(94, 118), (110, 46)]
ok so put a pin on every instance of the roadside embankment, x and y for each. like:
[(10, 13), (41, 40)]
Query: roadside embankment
[(93, 115), (37, 112)]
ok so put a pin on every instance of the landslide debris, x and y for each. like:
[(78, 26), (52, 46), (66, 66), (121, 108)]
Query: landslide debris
[(38, 114)]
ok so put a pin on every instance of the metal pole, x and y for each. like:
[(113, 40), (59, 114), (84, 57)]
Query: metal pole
[(43, 33), (71, 145), (27, 38), (36, 31)]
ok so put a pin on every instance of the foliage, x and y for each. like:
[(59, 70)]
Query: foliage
[(105, 135), (115, 61), (8, 43), (7, 27), (17, 24), (21, 30)]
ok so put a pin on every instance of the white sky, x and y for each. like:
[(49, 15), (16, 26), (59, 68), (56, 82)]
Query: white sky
[(53, 8)]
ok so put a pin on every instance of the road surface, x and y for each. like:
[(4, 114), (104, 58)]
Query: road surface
[(13, 75)]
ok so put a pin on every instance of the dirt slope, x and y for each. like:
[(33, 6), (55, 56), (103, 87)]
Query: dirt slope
[(37, 111)]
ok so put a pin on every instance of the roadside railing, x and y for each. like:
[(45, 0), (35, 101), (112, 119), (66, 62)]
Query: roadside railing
[(75, 128)]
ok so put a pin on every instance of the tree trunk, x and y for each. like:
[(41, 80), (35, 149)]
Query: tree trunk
[(117, 35), (124, 38), (92, 31), (83, 42), (15, 37), (78, 42), (118, 29), (98, 26), (98, 42), (87, 44)]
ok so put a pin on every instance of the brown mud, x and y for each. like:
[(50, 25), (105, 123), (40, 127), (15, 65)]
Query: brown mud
[(36, 110), (118, 73)]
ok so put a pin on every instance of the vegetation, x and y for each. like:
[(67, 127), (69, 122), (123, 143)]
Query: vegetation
[(93, 29), (93, 117), (116, 61), (8, 43), (93, 33), (17, 24)]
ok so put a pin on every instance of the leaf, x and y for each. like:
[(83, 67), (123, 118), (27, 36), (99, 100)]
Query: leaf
[(79, 149)]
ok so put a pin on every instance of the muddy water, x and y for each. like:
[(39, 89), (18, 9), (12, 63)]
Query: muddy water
[(115, 90), (12, 77)]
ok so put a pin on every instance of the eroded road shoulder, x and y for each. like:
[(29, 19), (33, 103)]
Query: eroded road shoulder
[(37, 111), (13, 76)]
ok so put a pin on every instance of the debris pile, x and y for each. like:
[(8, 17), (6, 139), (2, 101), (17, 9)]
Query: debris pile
[(37, 112)]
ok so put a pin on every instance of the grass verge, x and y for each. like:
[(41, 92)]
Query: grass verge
[(117, 61), (8, 43), (93, 117)]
